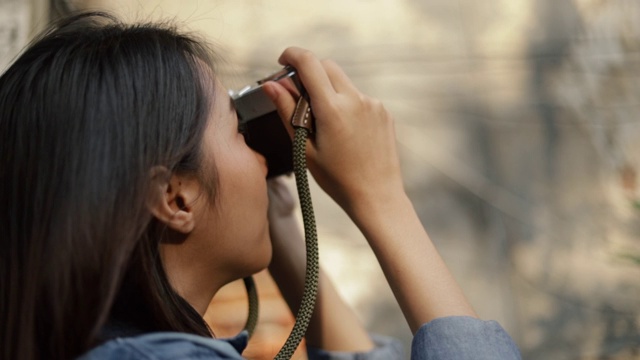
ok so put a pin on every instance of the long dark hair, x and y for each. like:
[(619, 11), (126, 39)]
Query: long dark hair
[(85, 112)]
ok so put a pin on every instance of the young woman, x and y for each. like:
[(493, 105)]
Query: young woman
[(129, 198)]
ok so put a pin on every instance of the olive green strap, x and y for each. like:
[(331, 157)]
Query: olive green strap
[(313, 268), (252, 319)]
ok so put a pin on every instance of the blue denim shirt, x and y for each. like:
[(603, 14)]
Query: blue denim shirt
[(444, 338)]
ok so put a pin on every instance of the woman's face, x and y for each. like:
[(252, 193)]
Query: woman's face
[(235, 225), (230, 239)]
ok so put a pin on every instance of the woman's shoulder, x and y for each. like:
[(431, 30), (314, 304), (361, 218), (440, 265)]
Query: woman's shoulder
[(166, 345)]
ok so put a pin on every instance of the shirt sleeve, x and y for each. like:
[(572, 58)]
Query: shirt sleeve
[(386, 348), (163, 346), (462, 337)]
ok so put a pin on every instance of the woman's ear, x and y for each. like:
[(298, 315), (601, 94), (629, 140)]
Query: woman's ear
[(170, 199)]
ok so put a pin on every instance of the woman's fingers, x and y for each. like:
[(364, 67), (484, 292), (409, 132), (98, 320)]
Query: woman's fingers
[(320, 77), (310, 71), (284, 101)]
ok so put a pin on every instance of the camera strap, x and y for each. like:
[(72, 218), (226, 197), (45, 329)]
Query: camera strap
[(302, 118), (302, 121)]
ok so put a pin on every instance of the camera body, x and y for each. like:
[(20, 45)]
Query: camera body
[(264, 131)]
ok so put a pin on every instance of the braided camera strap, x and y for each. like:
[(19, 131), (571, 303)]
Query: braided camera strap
[(313, 268), (252, 294), (311, 239)]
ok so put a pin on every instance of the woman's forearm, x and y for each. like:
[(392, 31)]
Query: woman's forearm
[(420, 280)]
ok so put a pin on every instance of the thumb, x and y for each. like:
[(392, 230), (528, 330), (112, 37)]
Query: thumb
[(284, 101)]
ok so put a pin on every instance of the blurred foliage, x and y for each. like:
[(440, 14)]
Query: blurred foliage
[(635, 258)]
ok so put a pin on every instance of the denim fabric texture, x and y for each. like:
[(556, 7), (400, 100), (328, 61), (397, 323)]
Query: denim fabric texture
[(461, 338), (386, 348), (445, 338), (163, 346)]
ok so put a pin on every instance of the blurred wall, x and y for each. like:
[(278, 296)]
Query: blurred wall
[(19, 21), (518, 126)]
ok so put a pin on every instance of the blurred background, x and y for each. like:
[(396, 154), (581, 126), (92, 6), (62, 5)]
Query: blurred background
[(520, 143)]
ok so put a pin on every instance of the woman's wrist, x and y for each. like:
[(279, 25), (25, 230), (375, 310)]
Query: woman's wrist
[(375, 207)]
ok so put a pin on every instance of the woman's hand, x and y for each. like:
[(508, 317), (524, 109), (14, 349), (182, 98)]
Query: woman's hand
[(288, 243), (281, 201), (353, 156)]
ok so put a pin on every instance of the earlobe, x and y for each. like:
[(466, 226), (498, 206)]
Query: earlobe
[(167, 200), (181, 221)]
